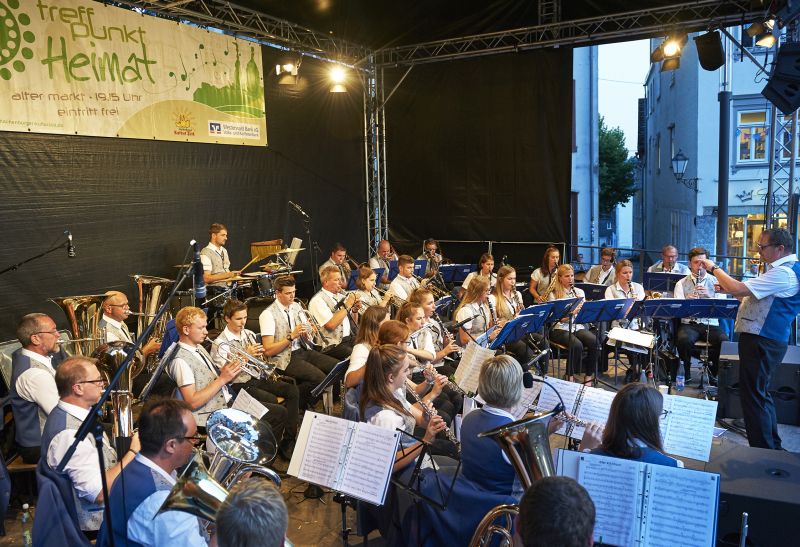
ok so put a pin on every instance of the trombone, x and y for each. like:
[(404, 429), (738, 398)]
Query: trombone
[(258, 369)]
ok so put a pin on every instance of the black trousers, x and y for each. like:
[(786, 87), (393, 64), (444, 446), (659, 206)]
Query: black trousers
[(267, 392), (309, 368), (758, 358), (580, 340), (689, 333), (342, 350)]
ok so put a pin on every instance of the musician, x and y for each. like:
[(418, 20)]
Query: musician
[(474, 305), (506, 301), (581, 338), (338, 259), (485, 269), (555, 511), (366, 291), (265, 391), (579, 264), (80, 386), (334, 313), (769, 304), (116, 311), (33, 388), (483, 462), (214, 257), (403, 285), (603, 273), (669, 262), (384, 255), (698, 284), (542, 277), (366, 339), (253, 515), (626, 288), (443, 343), (283, 334), (632, 430), (420, 341), (168, 437), (430, 252)]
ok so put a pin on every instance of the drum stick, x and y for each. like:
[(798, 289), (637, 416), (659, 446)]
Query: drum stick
[(255, 259)]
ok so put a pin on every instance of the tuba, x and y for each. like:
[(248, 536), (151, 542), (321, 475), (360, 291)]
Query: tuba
[(151, 296), (109, 358), (83, 318), (527, 445)]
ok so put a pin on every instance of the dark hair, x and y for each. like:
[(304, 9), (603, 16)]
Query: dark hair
[(160, 421), (28, 326), (70, 372), (545, 268), (232, 306), (283, 281), (337, 247), (428, 242), (608, 251), (382, 361), (253, 515), (216, 228), (369, 325), (634, 416), (697, 251), (780, 236), (485, 257), (556, 511)]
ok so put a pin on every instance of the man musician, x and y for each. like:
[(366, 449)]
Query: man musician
[(404, 284), (214, 257), (115, 311), (338, 259), (430, 252), (381, 259), (332, 311)]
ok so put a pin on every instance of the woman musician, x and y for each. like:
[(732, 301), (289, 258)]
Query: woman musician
[(371, 320), (366, 291), (626, 288), (581, 337), (542, 277), (443, 342), (506, 301), (475, 309), (485, 270)]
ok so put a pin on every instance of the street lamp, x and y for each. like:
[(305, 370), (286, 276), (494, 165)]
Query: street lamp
[(679, 163)]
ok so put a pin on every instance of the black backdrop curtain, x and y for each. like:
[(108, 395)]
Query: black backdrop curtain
[(133, 205), (480, 149)]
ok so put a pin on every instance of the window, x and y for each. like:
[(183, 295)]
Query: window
[(752, 136), (658, 152)]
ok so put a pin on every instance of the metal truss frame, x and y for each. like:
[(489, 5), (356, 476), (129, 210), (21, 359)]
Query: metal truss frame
[(375, 158), (783, 156)]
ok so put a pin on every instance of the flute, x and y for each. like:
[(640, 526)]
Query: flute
[(429, 412)]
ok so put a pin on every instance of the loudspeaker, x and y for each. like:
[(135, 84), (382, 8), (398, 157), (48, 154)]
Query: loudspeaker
[(784, 386), (783, 87), (709, 50), (765, 484)]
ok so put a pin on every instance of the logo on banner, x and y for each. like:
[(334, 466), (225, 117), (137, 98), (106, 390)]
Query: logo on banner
[(183, 124), (214, 128), (12, 39)]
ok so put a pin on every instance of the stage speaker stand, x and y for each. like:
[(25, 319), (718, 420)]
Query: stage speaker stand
[(765, 484), (784, 385)]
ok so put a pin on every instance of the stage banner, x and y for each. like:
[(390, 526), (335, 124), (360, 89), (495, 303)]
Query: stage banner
[(79, 67)]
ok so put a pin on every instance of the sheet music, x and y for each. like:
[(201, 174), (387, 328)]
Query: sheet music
[(548, 398), (369, 465), (529, 395), (688, 429), (469, 368), (325, 449), (249, 404), (615, 486), (680, 496), (594, 407)]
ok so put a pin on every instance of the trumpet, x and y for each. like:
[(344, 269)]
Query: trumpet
[(258, 369), (312, 331), (429, 412)]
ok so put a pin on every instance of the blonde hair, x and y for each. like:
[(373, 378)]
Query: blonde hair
[(476, 288), (559, 291), (504, 310), (186, 316)]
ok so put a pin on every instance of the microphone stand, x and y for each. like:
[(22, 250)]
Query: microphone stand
[(92, 422), (307, 222), (31, 259)]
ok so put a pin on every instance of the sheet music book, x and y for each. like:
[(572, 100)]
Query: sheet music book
[(249, 404), (529, 395), (688, 428), (640, 504), (469, 368), (350, 457)]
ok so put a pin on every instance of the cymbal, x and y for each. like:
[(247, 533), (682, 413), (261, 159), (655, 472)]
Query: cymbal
[(183, 265), (288, 250), (252, 274), (272, 266)]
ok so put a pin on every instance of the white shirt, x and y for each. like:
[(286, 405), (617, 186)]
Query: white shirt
[(321, 307), (481, 322), (147, 527), (183, 375), (112, 336), (399, 286), (37, 385), (500, 412), (424, 342), (266, 321), (779, 280), (510, 303), (223, 254), (358, 358), (615, 292), (82, 468), (677, 268), (708, 282), (492, 280)]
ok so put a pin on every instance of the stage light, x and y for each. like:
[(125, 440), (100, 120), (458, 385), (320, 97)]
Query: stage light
[(287, 72), (672, 48), (338, 76), (668, 53)]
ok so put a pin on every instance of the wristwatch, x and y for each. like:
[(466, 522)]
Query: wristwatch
[(714, 267), (289, 337)]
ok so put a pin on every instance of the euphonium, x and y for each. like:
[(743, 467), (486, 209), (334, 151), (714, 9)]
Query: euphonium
[(312, 329), (526, 443), (83, 317)]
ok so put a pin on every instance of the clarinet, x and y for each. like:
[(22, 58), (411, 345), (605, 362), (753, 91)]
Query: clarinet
[(492, 313), (443, 332), (429, 412)]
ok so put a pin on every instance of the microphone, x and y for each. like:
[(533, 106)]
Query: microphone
[(70, 246), (199, 282), (455, 326), (299, 209)]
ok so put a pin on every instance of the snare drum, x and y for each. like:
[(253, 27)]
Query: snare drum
[(264, 286)]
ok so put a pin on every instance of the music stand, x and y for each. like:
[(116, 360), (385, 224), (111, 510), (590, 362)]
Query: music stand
[(600, 311), (532, 321), (419, 267), (560, 308), (351, 281), (336, 373), (463, 271), (444, 305), (413, 486), (592, 291), (393, 269), (661, 281)]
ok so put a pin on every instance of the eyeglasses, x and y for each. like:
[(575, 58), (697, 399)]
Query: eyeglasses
[(125, 305), (664, 414), (99, 381), (194, 439), (760, 246), (54, 332)]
